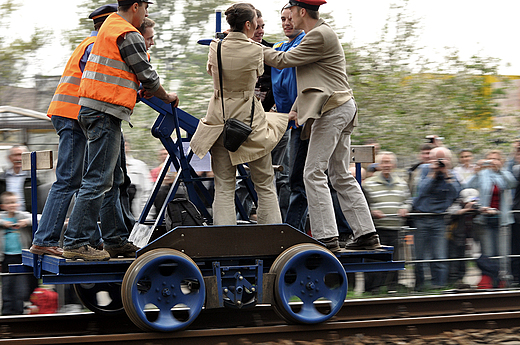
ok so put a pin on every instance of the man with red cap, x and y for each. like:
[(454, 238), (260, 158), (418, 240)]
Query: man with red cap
[(63, 111), (116, 67), (325, 105)]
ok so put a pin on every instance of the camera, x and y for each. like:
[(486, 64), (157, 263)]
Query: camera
[(440, 163), (220, 35), (476, 206), (487, 163)]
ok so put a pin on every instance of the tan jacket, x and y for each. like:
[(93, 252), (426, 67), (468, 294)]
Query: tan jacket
[(320, 73), (242, 62)]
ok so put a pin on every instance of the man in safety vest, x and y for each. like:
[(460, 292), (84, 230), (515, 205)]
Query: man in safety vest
[(117, 65), (63, 111)]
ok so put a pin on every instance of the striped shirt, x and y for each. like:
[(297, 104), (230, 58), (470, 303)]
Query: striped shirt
[(388, 197)]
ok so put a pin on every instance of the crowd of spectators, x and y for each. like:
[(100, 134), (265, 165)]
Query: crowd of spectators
[(460, 211)]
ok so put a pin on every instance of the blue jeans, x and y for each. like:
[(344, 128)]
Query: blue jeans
[(490, 245), (280, 156), (431, 243), (99, 192), (69, 170), (297, 210)]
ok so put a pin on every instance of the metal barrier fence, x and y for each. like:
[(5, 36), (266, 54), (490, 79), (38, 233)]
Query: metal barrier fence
[(406, 242)]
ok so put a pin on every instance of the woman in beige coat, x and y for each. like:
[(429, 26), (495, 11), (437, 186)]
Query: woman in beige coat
[(242, 63)]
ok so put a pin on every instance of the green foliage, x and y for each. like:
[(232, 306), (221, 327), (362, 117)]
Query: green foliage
[(402, 96), (85, 25), (178, 58), (15, 55), (180, 61)]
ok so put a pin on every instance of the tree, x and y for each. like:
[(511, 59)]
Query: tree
[(402, 96), (15, 55)]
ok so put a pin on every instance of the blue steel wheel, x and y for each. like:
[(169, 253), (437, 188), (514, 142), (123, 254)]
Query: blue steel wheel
[(101, 298), (163, 290), (310, 285)]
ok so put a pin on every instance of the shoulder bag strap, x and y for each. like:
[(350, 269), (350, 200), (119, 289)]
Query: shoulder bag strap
[(219, 63)]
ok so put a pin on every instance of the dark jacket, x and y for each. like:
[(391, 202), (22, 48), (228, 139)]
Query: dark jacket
[(265, 85), (26, 189), (435, 193)]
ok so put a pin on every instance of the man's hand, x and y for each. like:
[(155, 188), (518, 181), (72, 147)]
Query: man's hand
[(164, 96), (144, 94), (7, 224), (488, 210), (403, 212), (293, 116), (377, 214), (172, 98), (21, 224)]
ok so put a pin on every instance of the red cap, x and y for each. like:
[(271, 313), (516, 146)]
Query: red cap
[(313, 5)]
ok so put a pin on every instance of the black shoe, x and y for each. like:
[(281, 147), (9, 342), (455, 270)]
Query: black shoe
[(367, 242), (127, 251), (331, 244)]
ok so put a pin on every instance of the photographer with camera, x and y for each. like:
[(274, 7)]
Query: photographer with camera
[(436, 191), (493, 181)]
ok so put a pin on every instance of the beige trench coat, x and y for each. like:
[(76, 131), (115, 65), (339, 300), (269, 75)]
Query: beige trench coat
[(320, 73), (242, 62)]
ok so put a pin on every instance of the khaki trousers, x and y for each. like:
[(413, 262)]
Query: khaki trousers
[(329, 148), (262, 175)]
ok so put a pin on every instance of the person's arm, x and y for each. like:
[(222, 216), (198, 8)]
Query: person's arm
[(308, 51), (24, 219), (509, 179), (209, 65), (84, 58), (406, 205), (133, 52), (453, 189)]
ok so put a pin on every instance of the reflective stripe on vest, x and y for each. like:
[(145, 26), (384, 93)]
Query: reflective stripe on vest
[(65, 100), (107, 78), (101, 60)]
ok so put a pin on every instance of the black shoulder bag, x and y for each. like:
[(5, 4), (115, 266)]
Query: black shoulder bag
[(235, 131)]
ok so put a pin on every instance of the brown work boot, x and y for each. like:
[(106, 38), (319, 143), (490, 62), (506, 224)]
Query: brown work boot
[(331, 243), (364, 242), (46, 250), (127, 251), (86, 253)]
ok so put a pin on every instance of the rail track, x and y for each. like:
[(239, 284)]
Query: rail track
[(420, 315)]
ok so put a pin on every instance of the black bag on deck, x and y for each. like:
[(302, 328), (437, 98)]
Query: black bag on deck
[(181, 211)]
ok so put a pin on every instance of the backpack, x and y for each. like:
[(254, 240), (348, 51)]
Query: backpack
[(181, 211), (44, 301)]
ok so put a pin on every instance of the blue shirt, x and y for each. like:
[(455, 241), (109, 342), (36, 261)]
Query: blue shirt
[(13, 243), (84, 58), (285, 89)]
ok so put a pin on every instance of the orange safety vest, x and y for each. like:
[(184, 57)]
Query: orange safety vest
[(107, 78), (65, 100)]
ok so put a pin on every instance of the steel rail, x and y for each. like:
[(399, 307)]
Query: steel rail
[(369, 316)]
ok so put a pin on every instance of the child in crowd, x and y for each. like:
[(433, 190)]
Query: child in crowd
[(13, 234)]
